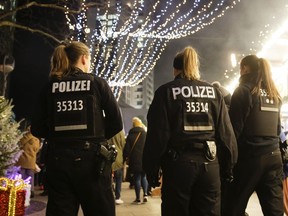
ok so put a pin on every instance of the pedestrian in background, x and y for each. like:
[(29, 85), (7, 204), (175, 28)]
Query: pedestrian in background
[(134, 152), (117, 167), (42, 164), (226, 94), (227, 98), (27, 161), (70, 115), (255, 116), (189, 135)]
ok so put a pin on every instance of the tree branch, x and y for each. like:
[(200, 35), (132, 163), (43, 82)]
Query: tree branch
[(12, 24), (53, 6)]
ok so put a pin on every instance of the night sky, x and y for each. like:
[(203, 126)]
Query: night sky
[(233, 32)]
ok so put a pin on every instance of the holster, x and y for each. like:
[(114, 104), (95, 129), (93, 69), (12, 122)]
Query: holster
[(108, 154), (210, 150)]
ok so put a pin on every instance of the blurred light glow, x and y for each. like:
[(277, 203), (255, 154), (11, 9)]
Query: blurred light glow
[(275, 49), (233, 60)]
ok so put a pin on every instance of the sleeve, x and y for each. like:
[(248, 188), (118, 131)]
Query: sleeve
[(279, 129), (241, 104), (226, 140), (39, 122), (127, 147), (158, 134), (113, 118), (122, 140)]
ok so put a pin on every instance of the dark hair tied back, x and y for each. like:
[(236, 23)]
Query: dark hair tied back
[(178, 62)]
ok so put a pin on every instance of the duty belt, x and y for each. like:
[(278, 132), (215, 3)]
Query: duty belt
[(192, 146), (81, 145)]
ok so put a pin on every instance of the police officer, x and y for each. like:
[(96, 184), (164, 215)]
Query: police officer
[(77, 112), (255, 116), (189, 135)]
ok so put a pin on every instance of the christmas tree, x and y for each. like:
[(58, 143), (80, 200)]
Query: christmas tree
[(9, 137)]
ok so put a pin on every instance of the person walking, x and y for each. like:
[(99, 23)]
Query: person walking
[(255, 116), (27, 161), (42, 164), (134, 151), (117, 167), (70, 115), (189, 134)]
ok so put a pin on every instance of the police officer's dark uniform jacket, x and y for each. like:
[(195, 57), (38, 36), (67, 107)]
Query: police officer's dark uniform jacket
[(256, 122), (76, 115), (183, 116), (77, 102)]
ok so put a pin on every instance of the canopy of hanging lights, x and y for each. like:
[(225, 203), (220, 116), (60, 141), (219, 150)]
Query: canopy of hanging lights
[(126, 38)]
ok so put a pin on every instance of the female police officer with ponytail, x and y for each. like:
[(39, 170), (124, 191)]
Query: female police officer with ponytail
[(189, 135), (255, 116), (77, 113)]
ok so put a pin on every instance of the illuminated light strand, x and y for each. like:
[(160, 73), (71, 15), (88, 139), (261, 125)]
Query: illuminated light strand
[(146, 64), (128, 64), (144, 29), (126, 58), (186, 29), (128, 25), (175, 25), (116, 49), (106, 73), (103, 37), (142, 66), (147, 20)]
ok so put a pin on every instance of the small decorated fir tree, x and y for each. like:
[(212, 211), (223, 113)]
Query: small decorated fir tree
[(9, 137)]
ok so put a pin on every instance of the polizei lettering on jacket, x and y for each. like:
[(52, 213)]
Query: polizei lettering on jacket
[(193, 92), (71, 86)]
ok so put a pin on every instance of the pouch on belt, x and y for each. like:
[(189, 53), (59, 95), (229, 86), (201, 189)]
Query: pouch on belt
[(210, 150)]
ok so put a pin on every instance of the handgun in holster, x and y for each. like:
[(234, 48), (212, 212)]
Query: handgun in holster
[(108, 153)]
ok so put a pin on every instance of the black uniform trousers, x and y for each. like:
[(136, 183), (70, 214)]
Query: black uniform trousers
[(263, 174), (73, 179), (190, 186)]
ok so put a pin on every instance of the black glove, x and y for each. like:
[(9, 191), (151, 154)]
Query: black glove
[(283, 145), (227, 175), (153, 181)]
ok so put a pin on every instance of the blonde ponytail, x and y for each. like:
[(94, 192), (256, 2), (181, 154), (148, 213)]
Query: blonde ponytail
[(59, 62), (190, 64), (65, 58), (187, 61), (265, 78)]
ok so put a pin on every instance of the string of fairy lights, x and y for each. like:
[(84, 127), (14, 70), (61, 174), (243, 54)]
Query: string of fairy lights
[(127, 38)]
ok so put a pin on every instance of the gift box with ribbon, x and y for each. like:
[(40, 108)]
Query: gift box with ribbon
[(12, 197)]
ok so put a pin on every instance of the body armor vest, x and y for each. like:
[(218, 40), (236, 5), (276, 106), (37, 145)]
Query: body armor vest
[(75, 111), (263, 117)]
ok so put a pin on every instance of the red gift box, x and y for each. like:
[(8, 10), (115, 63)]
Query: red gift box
[(12, 197)]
